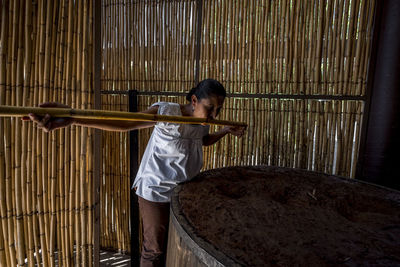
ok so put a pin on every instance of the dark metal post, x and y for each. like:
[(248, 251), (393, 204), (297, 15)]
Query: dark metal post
[(380, 140), (134, 166)]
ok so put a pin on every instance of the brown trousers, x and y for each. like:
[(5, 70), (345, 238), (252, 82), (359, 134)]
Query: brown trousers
[(155, 220)]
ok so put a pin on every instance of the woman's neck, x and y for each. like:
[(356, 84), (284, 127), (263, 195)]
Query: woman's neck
[(186, 110)]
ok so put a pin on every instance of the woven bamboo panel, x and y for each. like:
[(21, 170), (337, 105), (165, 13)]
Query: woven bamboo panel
[(45, 178), (307, 48), (287, 47), (149, 45), (292, 48), (115, 184)]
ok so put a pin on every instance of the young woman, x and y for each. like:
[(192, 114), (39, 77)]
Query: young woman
[(173, 155)]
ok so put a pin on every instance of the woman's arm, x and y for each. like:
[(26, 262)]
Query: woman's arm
[(211, 139), (47, 123)]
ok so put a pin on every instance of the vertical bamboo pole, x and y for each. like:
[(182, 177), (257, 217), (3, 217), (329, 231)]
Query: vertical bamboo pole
[(44, 81), (296, 48), (285, 133), (275, 135), (318, 53), (330, 138), (27, 131), (55, 151), (39, 171), (317, 139), (19, 178), (292, 140), (268, 133), (48, 193), (338, 133), (58, 96), (24, 170), (278, 131), (205, 50), (76, 144), (310, 40), (357, 138), (342, 56), (9, 133), (304, 108), (283, 48), (56, 154), (243, 39), (3, 259), (369, 41), (297, 136), (345, 136), (302, 61), (72, 25), (66, 98), (327, 59), (118, 184), (275, 51), (84, 134), (325, 136), (6, 257), (264, 126), (90, 207), (349, 50), (249, 142), (359, 62), (33, 199), (272, 128), (319, 134), (310, 136), (257, 56), (351, 112)]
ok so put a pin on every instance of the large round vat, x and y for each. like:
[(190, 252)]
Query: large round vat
[(270, 216)]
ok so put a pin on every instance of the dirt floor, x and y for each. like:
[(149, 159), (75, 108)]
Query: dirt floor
[(266, 216)]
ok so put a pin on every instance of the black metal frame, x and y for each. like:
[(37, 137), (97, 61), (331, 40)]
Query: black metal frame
[(237, 95)]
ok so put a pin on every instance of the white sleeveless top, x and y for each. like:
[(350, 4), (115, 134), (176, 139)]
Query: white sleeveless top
[(173, 154)]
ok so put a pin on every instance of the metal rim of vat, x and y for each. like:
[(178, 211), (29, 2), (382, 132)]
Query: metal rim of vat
[(204, 251)]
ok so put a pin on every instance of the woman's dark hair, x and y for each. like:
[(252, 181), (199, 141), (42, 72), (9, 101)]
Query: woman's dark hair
[(207, 88)]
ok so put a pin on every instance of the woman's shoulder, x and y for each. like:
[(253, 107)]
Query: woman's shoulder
[(168, 108), (164, 103)]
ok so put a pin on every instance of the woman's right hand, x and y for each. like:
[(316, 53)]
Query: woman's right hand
[(48, 123)]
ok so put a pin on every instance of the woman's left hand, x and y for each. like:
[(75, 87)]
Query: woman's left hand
[(235, 130)]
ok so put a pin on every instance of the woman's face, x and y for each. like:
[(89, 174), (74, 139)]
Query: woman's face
[(207, 107)]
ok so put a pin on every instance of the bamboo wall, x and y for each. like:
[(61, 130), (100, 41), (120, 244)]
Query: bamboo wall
[(45, 178), (292, 48), (308, 59), (291, 52), (299, 49), (115, 184)]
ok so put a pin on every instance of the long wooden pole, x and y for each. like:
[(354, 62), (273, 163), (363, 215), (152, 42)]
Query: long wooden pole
[(11, 111)]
